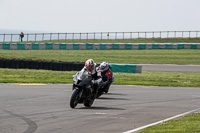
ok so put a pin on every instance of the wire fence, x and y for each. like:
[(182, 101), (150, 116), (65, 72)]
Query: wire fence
[(34, 37)]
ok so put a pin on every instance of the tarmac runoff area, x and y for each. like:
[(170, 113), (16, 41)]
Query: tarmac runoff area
[(170, 67), (44, 108)]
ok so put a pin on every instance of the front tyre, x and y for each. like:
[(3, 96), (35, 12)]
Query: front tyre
[(89, 103), (74, 98)]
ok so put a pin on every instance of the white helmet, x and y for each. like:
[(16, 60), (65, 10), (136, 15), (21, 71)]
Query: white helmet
[(104, 66), (90, 66)]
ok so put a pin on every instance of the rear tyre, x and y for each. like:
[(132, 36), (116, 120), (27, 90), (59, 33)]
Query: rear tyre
[(74, 98), (100, 92)]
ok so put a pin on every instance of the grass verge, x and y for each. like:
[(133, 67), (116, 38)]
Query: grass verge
[(147, 78), (112, 56), (186, 124)]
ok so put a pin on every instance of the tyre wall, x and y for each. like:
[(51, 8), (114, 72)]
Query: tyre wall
[(30, 64), (63, 66)]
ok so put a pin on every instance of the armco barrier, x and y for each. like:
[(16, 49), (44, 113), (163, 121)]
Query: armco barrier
[(125, 68), (97, 46)]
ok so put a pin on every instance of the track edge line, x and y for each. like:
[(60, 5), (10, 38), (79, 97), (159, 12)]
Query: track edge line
[(159, 122)]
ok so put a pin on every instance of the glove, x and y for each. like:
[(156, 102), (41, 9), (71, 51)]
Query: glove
[(94, 82), (104, 83)]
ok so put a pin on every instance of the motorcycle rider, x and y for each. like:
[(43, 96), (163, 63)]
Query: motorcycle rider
[(93, 70), (107, 75)]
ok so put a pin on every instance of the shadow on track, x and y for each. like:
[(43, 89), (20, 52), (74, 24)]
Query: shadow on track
[(110, 98), (101, 108), (119, 94)]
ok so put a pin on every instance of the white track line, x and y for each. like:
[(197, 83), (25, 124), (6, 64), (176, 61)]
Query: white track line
[(159, 122)]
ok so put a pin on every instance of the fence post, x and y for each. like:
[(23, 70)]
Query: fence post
[(58, 36), (175, 34), (101, 35), (50, 36), (11, 37), (160, 34), (27, 37), (2, 37), (189, 34), (138, 34), (182, 33), (131, 35), (43, 37), (115, 35), (35, 37), (94, 35), (196, 34), (65, 36), (167, 34), (145, 35), (87, 36)]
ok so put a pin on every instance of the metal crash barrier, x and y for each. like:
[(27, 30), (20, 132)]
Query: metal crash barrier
[(125, 68), (97, 46)]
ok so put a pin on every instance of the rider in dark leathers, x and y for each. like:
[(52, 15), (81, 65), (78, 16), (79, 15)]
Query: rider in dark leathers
[(93, 70)]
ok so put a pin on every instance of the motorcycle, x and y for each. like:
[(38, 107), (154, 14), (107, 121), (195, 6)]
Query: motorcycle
[(82, 90), (101, 91)]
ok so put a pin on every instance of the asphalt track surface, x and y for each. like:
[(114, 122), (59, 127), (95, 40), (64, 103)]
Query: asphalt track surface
[(45, 108)]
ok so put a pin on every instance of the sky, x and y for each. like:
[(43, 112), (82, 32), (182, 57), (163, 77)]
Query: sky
[(67, 16)]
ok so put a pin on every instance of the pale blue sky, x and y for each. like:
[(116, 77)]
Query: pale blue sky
[(100, 15)]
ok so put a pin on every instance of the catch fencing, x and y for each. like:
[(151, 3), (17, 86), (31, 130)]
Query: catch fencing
[(34, 37)]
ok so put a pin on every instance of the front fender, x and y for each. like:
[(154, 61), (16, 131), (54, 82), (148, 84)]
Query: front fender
[(75, 87)]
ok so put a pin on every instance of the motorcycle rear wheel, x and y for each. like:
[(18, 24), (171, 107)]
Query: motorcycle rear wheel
[(100, 92), (74, 98)]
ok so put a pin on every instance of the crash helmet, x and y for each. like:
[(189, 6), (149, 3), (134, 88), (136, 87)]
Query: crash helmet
[(104, 66), (90, 65)]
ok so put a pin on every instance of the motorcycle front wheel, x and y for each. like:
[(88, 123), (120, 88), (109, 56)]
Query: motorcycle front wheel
[(89, 103), (74, 98)]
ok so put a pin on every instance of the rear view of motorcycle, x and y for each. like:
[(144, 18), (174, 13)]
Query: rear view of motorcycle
[(82, 90)]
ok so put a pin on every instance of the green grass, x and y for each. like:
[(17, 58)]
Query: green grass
[(147, 78), (153, 78), (34, 76), (137, 40), (184, 56), (187, 124)]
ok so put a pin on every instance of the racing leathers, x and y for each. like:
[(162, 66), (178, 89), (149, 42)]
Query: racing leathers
[(107, 77), (96, 76)]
